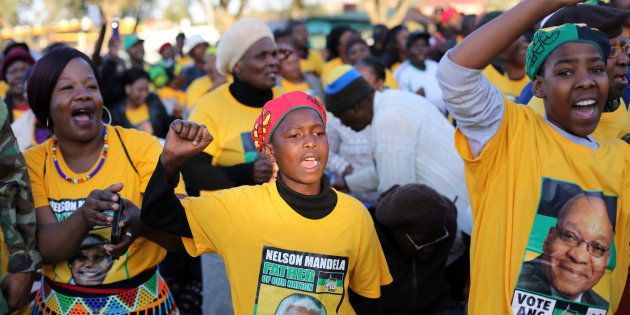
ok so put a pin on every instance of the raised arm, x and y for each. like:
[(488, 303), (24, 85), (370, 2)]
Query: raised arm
[(474, 102), (161, 210), (478, 49)]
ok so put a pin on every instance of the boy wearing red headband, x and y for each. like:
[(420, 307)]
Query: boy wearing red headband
[(295, 239)]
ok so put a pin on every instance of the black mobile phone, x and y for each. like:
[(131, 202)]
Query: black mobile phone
[(118, 216)]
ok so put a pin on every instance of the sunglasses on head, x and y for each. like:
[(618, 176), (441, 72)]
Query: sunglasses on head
[(437, 240)]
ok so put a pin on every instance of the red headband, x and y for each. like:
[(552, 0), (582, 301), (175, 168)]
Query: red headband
[(275, 110)]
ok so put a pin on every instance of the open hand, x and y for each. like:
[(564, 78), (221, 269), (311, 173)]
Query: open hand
[(98, 201), (184, 139)]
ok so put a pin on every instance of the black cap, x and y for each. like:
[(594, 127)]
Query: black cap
[(606, 19)]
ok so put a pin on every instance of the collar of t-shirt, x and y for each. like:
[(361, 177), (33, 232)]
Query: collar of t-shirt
[(589, 141), (248, 94), (311, 207)]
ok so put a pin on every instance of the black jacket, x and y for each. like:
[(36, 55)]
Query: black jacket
[(160, 120)]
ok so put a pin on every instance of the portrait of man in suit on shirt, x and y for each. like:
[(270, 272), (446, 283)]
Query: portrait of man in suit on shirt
[(575, 253)]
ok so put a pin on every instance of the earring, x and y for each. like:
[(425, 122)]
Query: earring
[(108, 114)]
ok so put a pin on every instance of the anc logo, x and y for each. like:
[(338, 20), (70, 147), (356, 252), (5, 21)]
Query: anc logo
[(330, 282)]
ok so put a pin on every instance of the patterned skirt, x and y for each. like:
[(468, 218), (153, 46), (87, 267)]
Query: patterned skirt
[(151, 296)]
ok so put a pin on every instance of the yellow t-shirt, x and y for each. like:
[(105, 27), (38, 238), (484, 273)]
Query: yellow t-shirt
[(197, 89), (524, 174), (510, 88), (272, 252), (183, 62), (395, 67), (314, 63), (139, 118), (328, 68), (230, 123), (167, 93), (288, 86), (390, 80), (50, 189), (4, 88), (613, 125)]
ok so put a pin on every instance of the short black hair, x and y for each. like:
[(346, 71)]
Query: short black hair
[(487, 18), (376, 65), (281, 32), (355, 39), (134, 74), (391, 56), (293, 23), (416, 36), (44, 76), (332, 40)]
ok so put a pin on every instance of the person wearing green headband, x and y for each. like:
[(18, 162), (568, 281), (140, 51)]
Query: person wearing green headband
[(521, 169)]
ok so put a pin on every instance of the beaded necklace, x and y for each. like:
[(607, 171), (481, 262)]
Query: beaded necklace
[(87, 177)]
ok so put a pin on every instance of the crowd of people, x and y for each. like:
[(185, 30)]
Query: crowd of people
[(479, 168)]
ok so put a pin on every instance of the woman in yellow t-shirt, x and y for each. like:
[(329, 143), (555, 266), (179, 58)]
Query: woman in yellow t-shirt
[(357, 50), (266, 233), (79, 178), (335, 46), (200, 86), (141, 109), (293, 79), (248, 53), (395, 47)]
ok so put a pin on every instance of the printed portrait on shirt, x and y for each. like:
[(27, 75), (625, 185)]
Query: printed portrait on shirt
[(570, 253), (91, 263), (300, 283)]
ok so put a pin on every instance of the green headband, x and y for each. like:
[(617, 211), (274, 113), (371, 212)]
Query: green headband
[(547, 40)]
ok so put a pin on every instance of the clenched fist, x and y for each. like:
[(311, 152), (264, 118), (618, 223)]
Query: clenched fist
[(184, 139)]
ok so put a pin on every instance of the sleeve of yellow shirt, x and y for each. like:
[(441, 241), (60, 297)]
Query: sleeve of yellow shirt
[(210, 221), (371, 270)]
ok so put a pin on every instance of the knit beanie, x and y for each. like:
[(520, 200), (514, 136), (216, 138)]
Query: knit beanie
[(346, 88), (235, 42), (547, 40), (606, 19), (16, 54), (414, 207)]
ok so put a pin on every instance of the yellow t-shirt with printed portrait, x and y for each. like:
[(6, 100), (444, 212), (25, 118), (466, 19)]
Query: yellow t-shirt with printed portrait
[(612, 125), (230, 123), (64, 198), (313, 63), (517, 185), (272, 253)]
